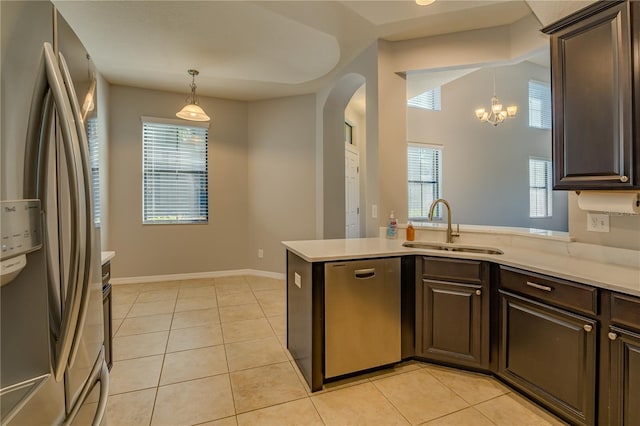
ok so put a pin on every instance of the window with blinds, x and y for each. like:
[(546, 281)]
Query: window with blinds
[(539, 105), (94, 161), (431, 99), (424, 169), (175, 173), (540, 191)]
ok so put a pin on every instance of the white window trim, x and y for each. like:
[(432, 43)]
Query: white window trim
[(174, 122), (437, 106), (549, 106), (181, 123), (438, 212), (549, 209)]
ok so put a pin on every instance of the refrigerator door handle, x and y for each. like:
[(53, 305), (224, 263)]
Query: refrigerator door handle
[(35, 176), (99, 374), (84, 211), (104, 395), (71, 308)]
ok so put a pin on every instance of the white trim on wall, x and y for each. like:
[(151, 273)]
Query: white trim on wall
[(194, 275)]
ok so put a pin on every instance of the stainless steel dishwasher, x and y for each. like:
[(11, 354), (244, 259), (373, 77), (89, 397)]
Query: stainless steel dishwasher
[(362, 315)]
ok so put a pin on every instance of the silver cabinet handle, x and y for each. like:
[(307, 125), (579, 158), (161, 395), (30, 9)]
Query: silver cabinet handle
[(365, 274), (587, 328), (612, 335), (539, 286), (478, 292)]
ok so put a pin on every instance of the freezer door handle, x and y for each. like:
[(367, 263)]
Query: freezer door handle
[(84, 209)]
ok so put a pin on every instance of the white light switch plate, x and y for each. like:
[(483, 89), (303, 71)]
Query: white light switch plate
[(297, 279), (597, 222), (374, 211)]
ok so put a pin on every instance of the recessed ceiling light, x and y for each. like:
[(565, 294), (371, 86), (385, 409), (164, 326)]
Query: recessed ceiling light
[(424, 2)]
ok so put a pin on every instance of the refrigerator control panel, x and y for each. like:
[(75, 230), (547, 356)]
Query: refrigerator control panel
[(21, 227)]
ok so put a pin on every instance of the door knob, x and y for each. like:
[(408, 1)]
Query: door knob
[(587, 328), (612, 336), (478, 292)]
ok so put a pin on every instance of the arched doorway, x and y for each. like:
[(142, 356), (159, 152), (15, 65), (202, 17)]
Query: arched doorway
[(334, 176)]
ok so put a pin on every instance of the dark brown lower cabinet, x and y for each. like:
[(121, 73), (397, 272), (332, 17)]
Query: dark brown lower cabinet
[(452, 321), (550, 355), (453, 312), (106, 314), (624, 391)]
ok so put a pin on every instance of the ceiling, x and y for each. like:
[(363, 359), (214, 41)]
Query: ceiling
[(250, 50)]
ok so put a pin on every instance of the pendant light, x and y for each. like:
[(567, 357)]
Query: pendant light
[(192, 111), (496, 114)]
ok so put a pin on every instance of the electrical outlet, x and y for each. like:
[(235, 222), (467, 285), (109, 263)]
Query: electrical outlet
[(260, 253), (297, 279), (374, 211), (597, 222)]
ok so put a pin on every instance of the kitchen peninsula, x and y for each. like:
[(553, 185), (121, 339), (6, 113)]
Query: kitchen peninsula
[(545, 297)]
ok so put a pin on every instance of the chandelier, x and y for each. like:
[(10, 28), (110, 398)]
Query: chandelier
[(496, 114), (192, 111)]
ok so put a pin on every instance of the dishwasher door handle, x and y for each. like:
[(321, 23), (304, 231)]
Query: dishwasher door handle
[(365, 274)]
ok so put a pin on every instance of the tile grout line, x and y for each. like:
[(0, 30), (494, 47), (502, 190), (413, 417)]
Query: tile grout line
[(164, 356), (389, 401)]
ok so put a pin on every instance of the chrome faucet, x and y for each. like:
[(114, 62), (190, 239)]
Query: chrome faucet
[(450, 233)]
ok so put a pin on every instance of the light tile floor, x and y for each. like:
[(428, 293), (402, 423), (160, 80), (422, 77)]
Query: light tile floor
[(213, 352)]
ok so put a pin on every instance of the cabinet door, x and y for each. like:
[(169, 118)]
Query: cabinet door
[(452, 323), (592, 73), (550, 355), (625, 377)]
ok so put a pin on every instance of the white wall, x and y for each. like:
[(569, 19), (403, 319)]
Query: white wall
[(281, 169), (624, 231), (485, 168), (171, 249), (331, 102), (465, 49)]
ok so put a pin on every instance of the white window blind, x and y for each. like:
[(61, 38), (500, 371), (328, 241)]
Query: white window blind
[(94, 161), (175, 173), (540, 192), (431, 99), (424, 170), (539, 105)]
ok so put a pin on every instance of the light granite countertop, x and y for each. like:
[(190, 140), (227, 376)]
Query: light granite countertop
[(603, 267), (107, 256)]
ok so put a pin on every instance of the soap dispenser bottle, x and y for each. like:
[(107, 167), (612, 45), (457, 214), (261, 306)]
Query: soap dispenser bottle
[(392, 227), (411, 232)]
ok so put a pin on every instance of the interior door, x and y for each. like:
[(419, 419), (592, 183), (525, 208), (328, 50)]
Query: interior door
[(352, 191)]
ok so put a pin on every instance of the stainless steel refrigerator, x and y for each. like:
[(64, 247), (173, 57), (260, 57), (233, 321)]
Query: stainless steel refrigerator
[(51, 337)]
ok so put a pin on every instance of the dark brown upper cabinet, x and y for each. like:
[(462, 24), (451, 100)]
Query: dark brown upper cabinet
[(595, 67)]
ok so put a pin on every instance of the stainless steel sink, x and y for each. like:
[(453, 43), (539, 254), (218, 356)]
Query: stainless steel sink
[(452, 247)]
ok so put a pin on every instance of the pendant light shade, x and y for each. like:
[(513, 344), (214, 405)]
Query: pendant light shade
[(192, 111)]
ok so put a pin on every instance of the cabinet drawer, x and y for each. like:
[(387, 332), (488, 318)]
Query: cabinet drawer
[(625, 310), (559, 292), (467, 271), (106, 273)]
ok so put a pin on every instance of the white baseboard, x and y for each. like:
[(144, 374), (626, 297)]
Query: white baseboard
[(193, 275)]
